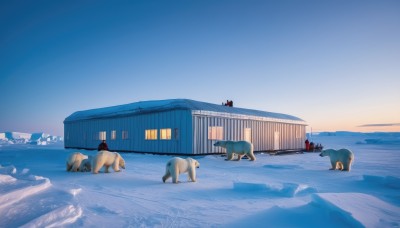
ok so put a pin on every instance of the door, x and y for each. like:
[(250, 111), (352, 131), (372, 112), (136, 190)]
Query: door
[(247, 134), (276, 140)]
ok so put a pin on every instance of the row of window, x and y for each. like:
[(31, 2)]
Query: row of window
[(165, 134), (149, 134), (103, 135), (214, 133)]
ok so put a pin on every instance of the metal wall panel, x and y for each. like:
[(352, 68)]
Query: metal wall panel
[(82, 134), (192, 132), (262, 133)]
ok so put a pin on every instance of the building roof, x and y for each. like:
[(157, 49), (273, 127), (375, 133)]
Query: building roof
[(197, 107)]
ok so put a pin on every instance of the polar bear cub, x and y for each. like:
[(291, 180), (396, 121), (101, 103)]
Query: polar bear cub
[(176, 166), (340, 159), (74, 161), (106, 158), (240, 148)]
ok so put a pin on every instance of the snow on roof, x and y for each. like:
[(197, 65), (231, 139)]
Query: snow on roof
[(198, 107)]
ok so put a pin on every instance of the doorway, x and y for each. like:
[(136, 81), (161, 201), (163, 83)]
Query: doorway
[(276, 140)]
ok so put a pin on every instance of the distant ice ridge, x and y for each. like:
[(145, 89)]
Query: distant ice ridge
[(394, 141), (381, 138), (351, 133), (28, 138)]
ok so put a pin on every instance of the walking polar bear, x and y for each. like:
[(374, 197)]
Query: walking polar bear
[(240, 148), (74, 161), (340, 159), (106, 158), (176, 166)]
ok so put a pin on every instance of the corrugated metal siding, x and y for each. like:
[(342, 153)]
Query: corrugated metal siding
[(192, 132), (292, 136), (82, 134)]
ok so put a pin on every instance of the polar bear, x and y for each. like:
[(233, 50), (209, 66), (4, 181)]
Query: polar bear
[(86, 164), (106, 158), (74, 161), (340, 159), (176, 166), (240, 148)]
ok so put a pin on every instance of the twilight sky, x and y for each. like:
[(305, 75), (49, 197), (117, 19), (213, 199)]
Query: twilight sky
[(335, 64)]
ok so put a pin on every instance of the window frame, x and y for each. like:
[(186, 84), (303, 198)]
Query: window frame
[(215, 133), (102, 135), (165, 134), (151, 134), (113, 135), (124, 135)]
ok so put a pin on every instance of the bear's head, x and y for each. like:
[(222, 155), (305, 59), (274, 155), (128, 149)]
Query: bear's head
[(220, 143), (121, 162), (325, 153), (86, 166), (193, 162)]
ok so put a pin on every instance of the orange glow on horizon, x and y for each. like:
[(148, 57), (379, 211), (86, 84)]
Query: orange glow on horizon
[(365, 129)]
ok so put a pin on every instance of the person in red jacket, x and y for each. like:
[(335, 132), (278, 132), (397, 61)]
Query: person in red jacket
[(307, 145), (102, 146)]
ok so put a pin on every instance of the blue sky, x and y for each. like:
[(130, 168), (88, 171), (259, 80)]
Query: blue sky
[(335, 64)]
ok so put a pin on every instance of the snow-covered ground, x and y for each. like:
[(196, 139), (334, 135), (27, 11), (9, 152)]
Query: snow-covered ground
[(294, 190)]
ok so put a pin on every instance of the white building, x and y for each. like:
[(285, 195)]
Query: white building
[(181, 126)]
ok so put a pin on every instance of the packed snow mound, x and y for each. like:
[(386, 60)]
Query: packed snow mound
[(21, 191), (387, 181), (60, 217), (328, 210), (28, 138), (286, 166), (366, 210), (284, 190)]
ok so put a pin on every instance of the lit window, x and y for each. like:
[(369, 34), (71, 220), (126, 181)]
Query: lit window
[(247, 134), (215, 133), (113, 135), (165, 133), (102, 135), (151, 134), (124, 134)]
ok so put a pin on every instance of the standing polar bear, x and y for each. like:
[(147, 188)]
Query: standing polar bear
[(240, 148), (106, 158), (340, 159), (177, 165), (74, 161)]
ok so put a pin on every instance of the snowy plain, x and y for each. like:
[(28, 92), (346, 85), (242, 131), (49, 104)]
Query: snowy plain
[(296, 190)]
